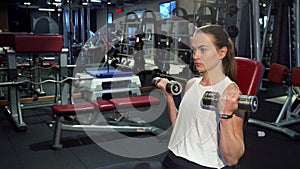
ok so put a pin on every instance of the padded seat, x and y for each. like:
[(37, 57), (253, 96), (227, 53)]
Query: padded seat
[(7, 39), (38, 43), (277, 73), (32, 43), (137, 101), (296, 76), (249, 75), (104, 105), (72, 109)]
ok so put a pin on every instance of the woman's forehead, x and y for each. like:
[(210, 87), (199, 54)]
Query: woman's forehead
[(202, 38)]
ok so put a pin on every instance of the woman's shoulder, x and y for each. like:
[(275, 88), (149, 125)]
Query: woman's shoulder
[(232, 87), (190, 82)]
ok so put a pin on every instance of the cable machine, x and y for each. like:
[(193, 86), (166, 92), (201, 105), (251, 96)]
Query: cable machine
[(76, 26)]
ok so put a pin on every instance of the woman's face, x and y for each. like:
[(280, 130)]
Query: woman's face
[(205, 55)]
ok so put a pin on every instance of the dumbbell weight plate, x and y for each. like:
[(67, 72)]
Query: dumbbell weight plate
[(248, 102), (174, 88)]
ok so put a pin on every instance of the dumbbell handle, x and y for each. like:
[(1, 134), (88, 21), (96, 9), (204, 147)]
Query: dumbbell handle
[(173, 87), (246, 102)]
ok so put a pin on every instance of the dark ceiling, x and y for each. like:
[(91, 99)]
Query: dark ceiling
[(5, 3)]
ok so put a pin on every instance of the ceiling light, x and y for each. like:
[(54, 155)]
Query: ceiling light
[(46, 9), (99, 1), (27, 3)]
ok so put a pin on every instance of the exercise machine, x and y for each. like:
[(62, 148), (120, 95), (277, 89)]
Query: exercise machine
[(290, 78), (25, 44)]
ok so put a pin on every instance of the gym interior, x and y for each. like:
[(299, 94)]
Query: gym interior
[(77, 79)]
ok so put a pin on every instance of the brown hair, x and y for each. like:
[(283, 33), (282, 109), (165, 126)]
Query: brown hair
[(222, 39)]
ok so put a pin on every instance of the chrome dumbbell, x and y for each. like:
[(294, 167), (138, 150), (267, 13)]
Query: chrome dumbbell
[(173, 87), (246, 102)]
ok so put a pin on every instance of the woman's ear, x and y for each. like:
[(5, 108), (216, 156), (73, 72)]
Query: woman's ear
[(223, 52)]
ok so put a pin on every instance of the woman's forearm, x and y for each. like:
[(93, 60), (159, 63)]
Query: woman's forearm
[(231, 143), (171, 108)]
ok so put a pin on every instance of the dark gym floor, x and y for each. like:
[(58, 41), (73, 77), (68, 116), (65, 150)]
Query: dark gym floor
[(31, 149)]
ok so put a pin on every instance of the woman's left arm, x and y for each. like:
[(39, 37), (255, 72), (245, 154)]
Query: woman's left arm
[(231, 130)]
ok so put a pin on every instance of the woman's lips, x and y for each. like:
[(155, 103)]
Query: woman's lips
[(198, 64)]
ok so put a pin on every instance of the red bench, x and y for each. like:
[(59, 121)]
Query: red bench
[(296, 76), (113, 105), (277, 73), (280, 74)]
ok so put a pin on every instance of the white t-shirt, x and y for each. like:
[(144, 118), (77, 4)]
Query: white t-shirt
[(196, 132)]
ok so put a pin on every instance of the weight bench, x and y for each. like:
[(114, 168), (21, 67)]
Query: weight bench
[(28, 44), (280, 74), (115, 105), (249, 76)]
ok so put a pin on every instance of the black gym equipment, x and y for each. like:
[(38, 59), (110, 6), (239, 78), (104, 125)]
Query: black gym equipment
[(173, 87), (246, 102), (113, 54), (232, 10), (163, 74), (139, 60), (233, 31), (203, 17), (131, 23), (163, 43), (222, 21), (25, 44), (179, 12)]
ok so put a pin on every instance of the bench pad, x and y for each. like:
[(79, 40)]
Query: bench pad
[(71, 109), (277, 73), (104, 105), (32, 43), (296, 76), (137, 101)]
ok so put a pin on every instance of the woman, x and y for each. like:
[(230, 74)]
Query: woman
[(207, 137)]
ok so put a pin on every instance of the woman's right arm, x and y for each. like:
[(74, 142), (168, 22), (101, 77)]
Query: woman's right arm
[(169, 99), (172, 109)]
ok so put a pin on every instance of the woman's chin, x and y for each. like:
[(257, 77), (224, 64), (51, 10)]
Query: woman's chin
[(200, 68)]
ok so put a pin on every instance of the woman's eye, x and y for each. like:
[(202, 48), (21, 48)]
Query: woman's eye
[(199, 51), (203, 50)]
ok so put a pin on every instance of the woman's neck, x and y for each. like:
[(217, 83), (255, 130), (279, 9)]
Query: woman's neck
[(212, 77)]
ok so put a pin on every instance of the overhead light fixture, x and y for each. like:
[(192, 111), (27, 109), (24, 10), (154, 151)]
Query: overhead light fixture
[(46, 9), (26, 3), (56, 3), (53, 2), (98, 1)]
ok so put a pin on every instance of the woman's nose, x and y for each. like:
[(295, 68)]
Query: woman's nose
[(196, 55)]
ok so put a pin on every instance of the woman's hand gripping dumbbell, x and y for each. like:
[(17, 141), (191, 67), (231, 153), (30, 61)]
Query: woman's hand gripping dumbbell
[(245, 102), (173, 87)]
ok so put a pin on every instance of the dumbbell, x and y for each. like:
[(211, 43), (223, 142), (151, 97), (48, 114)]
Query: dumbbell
[(162, 74), (173, 87), (246, 102)]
